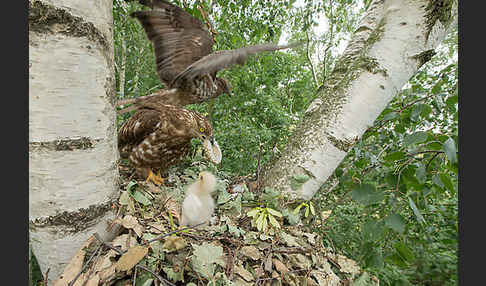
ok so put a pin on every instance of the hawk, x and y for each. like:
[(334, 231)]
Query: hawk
[(158, 135), (184, 56)]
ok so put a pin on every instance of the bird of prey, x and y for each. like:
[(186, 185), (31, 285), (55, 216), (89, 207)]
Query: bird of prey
[(184, 55), (198, 206), (158, 136)]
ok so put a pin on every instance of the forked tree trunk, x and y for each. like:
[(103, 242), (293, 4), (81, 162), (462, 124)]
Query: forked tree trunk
[(395, 38), (73, 174)]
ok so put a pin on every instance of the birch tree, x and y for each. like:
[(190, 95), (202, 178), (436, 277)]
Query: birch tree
[(394, 39), (73, 174)]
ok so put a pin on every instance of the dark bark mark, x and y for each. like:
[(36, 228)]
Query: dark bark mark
[(82, 143), (45, 18), (424, 57), (74, 222), (437, 10)]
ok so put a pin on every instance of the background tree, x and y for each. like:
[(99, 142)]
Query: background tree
[(73, 171)]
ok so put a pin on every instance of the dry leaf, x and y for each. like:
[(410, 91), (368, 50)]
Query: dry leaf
[(173, 208), (251, 251), (347, 265), (240, 270), (130, 222), (173, 243), (93, 281), (106, 274), (74, 266), (131, 258), (156, 227), (268, 263), (125, 241), (280, 266)]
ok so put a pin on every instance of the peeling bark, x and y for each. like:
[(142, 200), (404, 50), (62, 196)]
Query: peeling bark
[(73, 157), (394, 39)]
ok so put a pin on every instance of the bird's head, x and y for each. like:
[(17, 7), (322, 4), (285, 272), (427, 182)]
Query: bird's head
[(224, 86), (205, 133)]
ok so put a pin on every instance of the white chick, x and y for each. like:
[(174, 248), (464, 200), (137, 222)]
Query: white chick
[(198, 206)]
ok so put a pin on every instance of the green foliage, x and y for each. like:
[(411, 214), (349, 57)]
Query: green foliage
[(395, 206), (264, 217)]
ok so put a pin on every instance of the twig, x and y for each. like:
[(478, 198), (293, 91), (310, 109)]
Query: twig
[(135, 276), (119, 251), (172, 232), (165, 282), (413, 102), (85, 265), (424, 152), (258, 165), (205, 18), (431, 159)]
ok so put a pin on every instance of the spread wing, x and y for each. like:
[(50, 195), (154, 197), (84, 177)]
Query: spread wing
[(222, 59), (178, 39)]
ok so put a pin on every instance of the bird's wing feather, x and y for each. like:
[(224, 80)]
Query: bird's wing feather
[(138, 126), (177, 37), (223, 59)]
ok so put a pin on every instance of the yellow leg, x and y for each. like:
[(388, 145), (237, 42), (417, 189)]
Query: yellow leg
[(156, 179)]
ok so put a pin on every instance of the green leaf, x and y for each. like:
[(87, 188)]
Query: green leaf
[(390, 116), (130, 185), (274, 212), (297, 209), (306, 211), (273, 221), (312, 208), (205, 257), (394, 156), (372, 230), (253, 212), (446, 179), (405, 252), (395, 222), (223, 197), (141, 198), (297, 181), (420, 173), (450, 150), (414, 138), (366, 194), (375, 258), (416, 211)]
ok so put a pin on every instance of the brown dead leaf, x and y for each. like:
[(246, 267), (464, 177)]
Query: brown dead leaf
[(268, 263), (131, 222), (174, 243), (93, 281), (131, 258), (125, 241), (347, 265), (75, 265), (280, 266), (245, 274), (173, 208), (251, 251), (107, 273), (156, 227)]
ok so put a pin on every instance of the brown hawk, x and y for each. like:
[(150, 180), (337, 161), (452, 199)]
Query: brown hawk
[(184, 58), (158, 135)]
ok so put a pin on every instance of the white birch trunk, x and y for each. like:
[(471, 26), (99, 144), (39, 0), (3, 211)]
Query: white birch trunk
[(395, 38), (73, 174)]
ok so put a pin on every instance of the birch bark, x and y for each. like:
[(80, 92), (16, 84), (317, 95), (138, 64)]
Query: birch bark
[(73, 174), (394, 39)]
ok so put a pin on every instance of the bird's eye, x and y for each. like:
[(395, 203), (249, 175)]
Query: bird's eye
[(202, 129)]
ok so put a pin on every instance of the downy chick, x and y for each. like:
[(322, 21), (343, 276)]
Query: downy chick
[(198, 206)]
